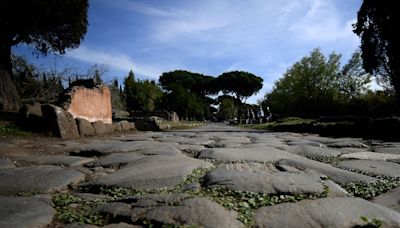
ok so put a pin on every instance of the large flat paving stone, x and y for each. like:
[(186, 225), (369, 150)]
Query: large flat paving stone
[(326, 212), (313, 151), (37, 179), (265, 154), (115, 160), (24, 212), (390, 199), (6, 164), (98, 148), (152, 172), (255, 177), (374, 167), (388, 148), (351, 142), (338, 175), (175, 209), (371, 156), (69, 161)]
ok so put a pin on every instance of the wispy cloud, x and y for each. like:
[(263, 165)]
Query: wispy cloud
[(322, 23), (116, 60)]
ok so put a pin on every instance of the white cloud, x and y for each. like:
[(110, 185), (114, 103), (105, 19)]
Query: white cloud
[(116, 60), (322, 22)]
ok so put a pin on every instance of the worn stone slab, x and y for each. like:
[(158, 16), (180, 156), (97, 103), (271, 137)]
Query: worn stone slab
[(152, 172), (371, 156), (197, 141), (25, 212), (335, 190), (388, 149), (353, 143), (85, 128), (313, 151), (305, 143), (374, 167), (349, 150), (98, 147), (390, 199), (198, 212), (338, 175), (115, 160), (326, 212), (255, 177), (166, 150), (60, 122), (69, 161), (37, 179), (6, 164), (265, 154)]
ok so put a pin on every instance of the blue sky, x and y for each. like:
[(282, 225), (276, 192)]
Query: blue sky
[(263, 37)]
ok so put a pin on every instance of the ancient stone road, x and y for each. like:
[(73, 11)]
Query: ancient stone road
[(212, 176)]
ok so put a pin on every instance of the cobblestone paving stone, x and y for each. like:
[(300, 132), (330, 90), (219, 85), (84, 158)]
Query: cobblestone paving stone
[(211, 176)]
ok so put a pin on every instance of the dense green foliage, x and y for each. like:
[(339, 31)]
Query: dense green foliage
[(377, 24), (140, 95), (34, 84), (48, 26), (317, 85), (227, 108), (241, 84), (186, 93)]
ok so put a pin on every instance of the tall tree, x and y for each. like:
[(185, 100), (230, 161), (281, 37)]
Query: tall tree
[(241, 84), (147, 95), (377, 25), (353, 79), (130, 91), (187, 93), (46, 25), (308, 87)]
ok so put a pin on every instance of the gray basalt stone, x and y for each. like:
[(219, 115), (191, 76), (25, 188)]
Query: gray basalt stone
[(25, 212), (152, 172), (60, 122), (125, 125), (326, 212), (338, 175), (99, 128), (371, 156), (85, 128), (181, 210), (115, 160), (265, 154), (69, 161), (254, 177), (37, 179), (313, 151), (390, 199), (373, 167), (5, 164)]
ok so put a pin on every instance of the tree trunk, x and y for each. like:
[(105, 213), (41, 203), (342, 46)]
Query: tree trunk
[(9, 98)]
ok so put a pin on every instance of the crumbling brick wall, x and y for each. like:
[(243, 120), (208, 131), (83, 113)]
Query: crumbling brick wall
[(92, 104)]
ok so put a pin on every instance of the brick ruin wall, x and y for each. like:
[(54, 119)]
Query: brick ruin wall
[(92, 104)]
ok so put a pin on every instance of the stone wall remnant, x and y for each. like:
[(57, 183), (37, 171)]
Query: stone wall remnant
[(90, 103)]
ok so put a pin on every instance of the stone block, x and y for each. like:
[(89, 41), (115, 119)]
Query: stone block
[(99, 128), (125, 125), (85, 128), (60, 122)]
